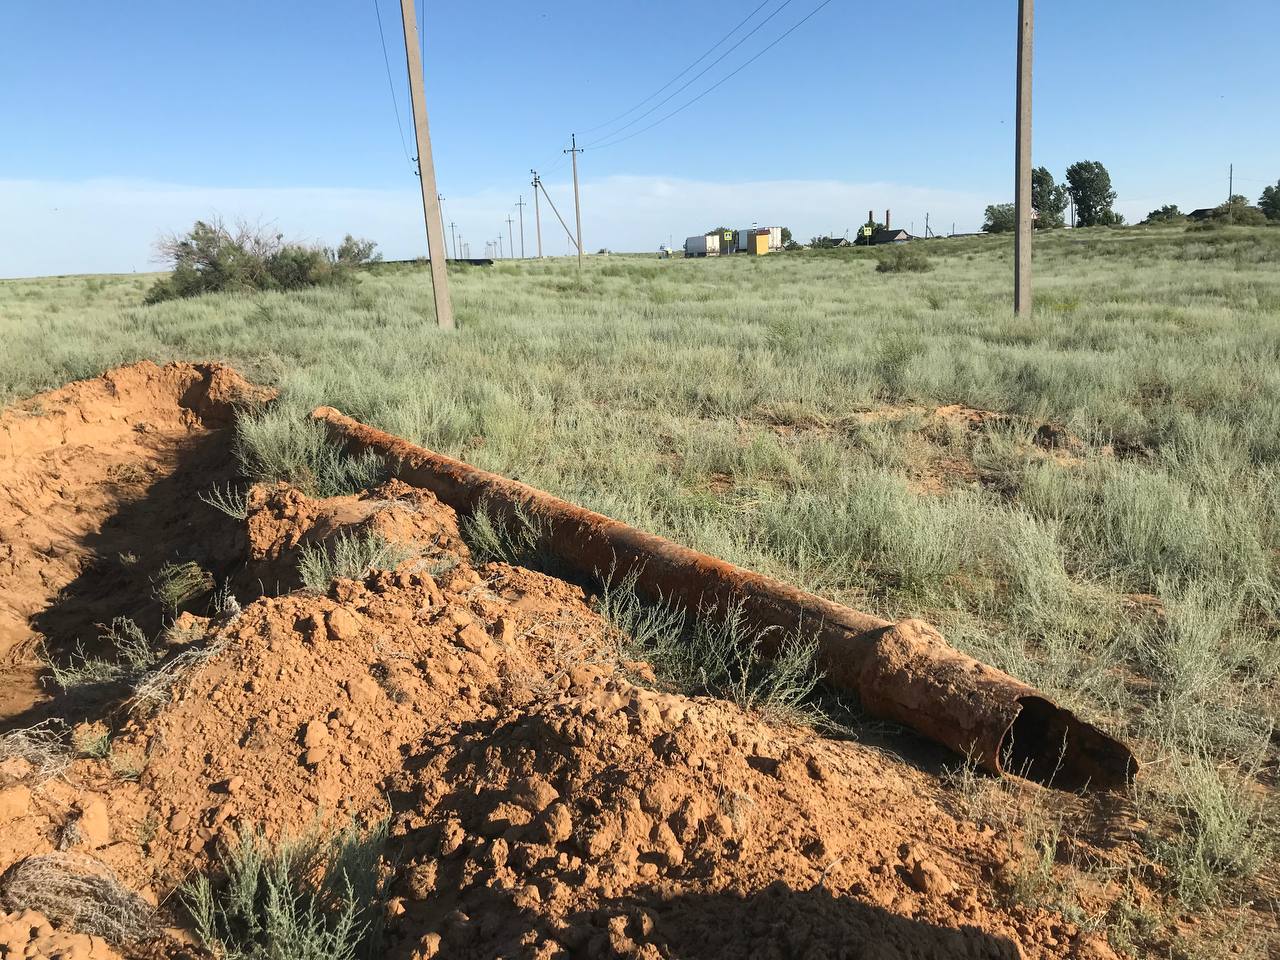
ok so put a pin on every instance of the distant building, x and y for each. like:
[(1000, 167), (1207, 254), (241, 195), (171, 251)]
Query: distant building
[(890, 235), (1204, 213)]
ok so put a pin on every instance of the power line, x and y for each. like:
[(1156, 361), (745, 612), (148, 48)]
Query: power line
[(703, 72), (395, 103), (718, 83), (712, 50)]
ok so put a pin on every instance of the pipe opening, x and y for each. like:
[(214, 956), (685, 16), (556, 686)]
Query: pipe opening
[(1052, 746)]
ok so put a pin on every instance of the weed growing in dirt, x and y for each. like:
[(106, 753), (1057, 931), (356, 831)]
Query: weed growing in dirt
[(349, 556), (231, 501), (133, 655), (179, 583), (518, 540), (91, 742), (273, 446), (311, 899), (718, 654), (1221, 831)]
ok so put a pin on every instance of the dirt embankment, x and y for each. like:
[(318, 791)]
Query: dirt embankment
[(545, 799)]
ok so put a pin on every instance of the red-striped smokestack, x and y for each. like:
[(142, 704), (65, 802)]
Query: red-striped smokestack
[(886, 219)]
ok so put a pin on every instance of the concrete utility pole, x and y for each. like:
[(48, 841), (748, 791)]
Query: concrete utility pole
[(537, 216), (499, 246), (520, 207), (427, 172), (1231, 181), (573, 151), (454, 234), (511, 240), (1022, 189)]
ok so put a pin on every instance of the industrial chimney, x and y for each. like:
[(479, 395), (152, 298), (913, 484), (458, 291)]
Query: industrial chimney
[(871, 216), (886, 219)]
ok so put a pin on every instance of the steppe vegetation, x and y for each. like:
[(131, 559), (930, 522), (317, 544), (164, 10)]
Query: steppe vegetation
[(1089, 499)]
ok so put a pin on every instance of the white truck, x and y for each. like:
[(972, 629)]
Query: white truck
[(706, 245)]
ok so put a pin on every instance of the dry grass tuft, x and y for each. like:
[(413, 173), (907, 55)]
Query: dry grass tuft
[(79, 893)]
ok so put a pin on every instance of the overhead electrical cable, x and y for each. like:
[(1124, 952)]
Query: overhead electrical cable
[(704, 71), (395, 102), (708, 53), (718, 83)]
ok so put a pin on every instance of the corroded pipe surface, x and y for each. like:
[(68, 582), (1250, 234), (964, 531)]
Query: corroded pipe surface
[(905, 672)]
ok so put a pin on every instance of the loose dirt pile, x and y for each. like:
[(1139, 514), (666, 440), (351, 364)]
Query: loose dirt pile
[(546, 797)]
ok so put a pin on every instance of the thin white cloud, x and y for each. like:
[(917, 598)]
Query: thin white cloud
[(109, 226)]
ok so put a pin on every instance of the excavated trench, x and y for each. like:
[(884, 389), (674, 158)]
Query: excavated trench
[(99, 487)]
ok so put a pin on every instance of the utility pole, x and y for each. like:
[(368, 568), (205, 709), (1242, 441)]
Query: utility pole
[(537, 216), (511, 240), (926, 226), (440, 200), (520, 206), (427, 172), (1231, 181), (573, 151), (1022, 155), (499, 246), (454, 234)]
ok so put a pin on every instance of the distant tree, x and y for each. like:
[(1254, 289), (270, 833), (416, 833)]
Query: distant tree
[(859, 240), (1169, 213), (1089, 185), (1270, 202), (826, 243), (354, 251), (786, 236), (1237, 211), (1049, 198), (721, 231), (1000, 218)]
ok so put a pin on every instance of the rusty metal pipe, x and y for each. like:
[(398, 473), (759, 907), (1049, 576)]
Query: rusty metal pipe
[(905, 671)]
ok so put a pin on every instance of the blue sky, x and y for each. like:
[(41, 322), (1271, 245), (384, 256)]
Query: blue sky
[(124, 120)]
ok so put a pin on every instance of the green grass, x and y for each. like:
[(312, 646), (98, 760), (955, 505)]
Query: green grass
[(1133, 573), (717, 653), (352, 556)]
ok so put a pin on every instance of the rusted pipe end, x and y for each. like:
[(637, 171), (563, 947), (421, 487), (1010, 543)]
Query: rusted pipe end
[(1001, 724), (1051, 745)]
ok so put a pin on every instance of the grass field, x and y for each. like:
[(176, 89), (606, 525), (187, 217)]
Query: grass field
[(1103, 519)]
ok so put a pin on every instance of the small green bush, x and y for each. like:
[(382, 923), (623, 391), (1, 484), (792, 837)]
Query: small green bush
[(312, 899), (349, 556), (904, 259)]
